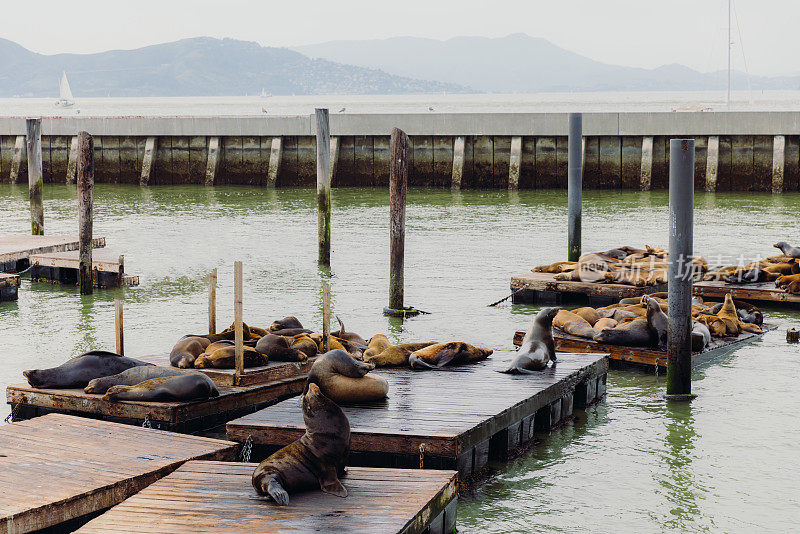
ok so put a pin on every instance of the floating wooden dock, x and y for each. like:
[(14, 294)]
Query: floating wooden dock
[(58, 468), (9, 286), (452, 418), (202, 496), (16, 249), (542, 288), (28, 402), (272, 372), (760, 292), (108, 268), (640, 356)]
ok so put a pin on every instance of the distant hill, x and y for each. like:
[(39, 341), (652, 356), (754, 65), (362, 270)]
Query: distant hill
[(519, 63), (196, 67)]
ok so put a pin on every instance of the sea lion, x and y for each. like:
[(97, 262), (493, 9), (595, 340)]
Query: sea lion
[(184, 387), (343, 379), (784, 281), (288, 326), (278, 349), (747, 275), (377, 344), (186, 351), (352, 337), (605, 322), (787, 249), (701, 336), (574, 324), (657, 322), (555, 268), (635, 333), (714, 324), (729, 316), (78, 371), (537, 346), (588, 313), (396, 355), (131, 377), (617, 314), (441, 354), (317, 459), (225, 358), (333, 343), (304, 344)]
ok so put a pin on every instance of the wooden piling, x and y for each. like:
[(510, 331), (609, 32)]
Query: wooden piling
[(778, 159), (458, 163), (335, 156), (212, 302), (85, 179), (212, 163), (646, 171), (118, 327), (72, 161), (712, 163), (148, 160), (398, 178), (275, 156), (16, 159), (326, 316), (515, 163), (35, 177), (323, 186), (237, 312)]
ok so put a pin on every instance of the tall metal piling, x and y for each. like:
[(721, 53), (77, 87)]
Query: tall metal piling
[(681, 245), (33, 135), (85, 179), (574, 185), (398, 179), (323, 186)]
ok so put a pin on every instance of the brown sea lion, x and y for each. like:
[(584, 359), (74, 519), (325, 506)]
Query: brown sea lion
[(441, 354), (333, 343), (782, 268), (186, 351), (537, 347), (657, 321), (344, 379), (79, 370), (574, 324), (317, 459), (278, 349), (132, 376), (184, 387), (225, 358), (588, 313), (352, 337), (714, 324), (793, 288), (729, 316), (377, 344), (785, 280), (617, 314), (635, 333), (605, 322), (555, 268), (304, 344), (288, 326), (396, 354)]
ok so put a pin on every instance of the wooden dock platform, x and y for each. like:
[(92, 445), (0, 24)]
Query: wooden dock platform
[(58, 468), (16, 249), (760, 292), (9, 286), (452, 418), (272, 372), (542, 288), (28, 402), (638, 356), (203, 496), (108, 268)]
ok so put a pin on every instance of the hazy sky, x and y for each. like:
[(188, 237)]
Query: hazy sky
[(642, 33)]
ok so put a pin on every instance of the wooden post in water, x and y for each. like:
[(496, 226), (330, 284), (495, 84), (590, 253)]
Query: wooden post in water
[(681, 245), (118, 327), (398, 178), (212, 302), (574, 186), (323, 186), (326, 316), (35, 179), (85, 179), (237, 313)]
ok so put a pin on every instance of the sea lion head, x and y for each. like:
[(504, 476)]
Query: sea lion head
[(326, 424), (546, 315), (289, 321), (782, 245), (39, 378)]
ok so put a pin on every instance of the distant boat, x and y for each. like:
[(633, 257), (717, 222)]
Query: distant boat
[(264, 94), (65, 94)]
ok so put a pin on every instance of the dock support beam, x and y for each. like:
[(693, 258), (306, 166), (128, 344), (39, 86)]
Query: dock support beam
[(323, 186), (275, 155), (398, 179), (646, 174), (213, 161), (326, 317), (16, 159), (778, 156), (118, 327), (35, 177), (85, 178), (681, 246), (212, 302), (334, 156), (712, 163), (515, 163), (72, 161), (238, 333), (458, 163), (150, 147), (574, 185)]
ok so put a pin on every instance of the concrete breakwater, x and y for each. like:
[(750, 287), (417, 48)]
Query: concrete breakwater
[(735, 151)]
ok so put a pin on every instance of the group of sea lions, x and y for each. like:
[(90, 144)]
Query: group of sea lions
[(642, 321), (621, 265), (783, 269)]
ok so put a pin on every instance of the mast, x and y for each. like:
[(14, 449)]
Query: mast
[(729, 53)]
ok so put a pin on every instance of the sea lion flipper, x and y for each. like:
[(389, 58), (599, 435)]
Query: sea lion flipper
[(329, 482), (276, 491), (418, 363)]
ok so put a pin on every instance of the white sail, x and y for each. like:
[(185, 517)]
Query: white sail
[(65, 93)]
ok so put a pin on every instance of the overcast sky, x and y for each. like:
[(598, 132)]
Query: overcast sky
[(641, 33)]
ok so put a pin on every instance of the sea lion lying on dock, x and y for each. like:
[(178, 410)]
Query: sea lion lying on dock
[(78, 371), (787, 249), (131, 377), (278, 349), (377, 344), (396, 355), (288, 326), (701, 336), (184, 387), (537, 346), (574, 324), (352, 337), (343, 379), (225, 358), (441, 354), (304, 344), (317, 459), (635, 333)]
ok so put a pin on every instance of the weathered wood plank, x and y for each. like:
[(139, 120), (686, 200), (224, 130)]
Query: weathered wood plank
[(545, 282), (19, 246), (761, 292)]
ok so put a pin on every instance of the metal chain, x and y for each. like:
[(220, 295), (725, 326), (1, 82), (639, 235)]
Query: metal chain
[(247, 448), (10, 417), (421, 455), (146, 423)]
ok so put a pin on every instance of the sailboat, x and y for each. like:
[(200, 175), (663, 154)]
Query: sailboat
[(264, 93), (65, 94)]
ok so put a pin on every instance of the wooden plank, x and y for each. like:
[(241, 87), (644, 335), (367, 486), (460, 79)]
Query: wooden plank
[(20, 246), (98, 464), (761, 292), (205, 496), (102, 260), (545, 282)]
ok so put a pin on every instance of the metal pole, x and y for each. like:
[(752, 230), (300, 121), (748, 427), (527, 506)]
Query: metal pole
[(681, 245), (574, 186), (323, 186)]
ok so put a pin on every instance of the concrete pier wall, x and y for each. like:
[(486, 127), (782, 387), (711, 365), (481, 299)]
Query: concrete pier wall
[(528, 151)]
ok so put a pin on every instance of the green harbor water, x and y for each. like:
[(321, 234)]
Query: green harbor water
[(725, 463)]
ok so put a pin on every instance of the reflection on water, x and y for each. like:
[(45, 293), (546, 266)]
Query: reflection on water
[(631, 464)]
